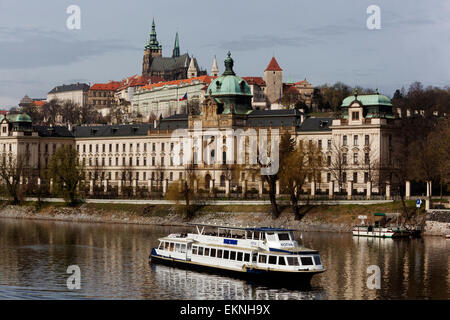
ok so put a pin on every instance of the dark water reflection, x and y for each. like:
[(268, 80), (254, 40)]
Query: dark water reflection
[(34, 256)]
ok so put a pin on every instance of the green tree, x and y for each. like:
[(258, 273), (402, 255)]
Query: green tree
[(66, 171)]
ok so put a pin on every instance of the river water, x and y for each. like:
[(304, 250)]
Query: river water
[(114, 264)]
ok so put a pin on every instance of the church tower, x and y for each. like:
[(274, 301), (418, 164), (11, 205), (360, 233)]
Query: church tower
[(273, 76), (152, 49), (214, 69), (176, 47), (192, 70)]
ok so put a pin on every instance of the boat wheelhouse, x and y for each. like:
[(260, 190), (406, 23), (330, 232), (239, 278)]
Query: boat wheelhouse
[(268, 253)]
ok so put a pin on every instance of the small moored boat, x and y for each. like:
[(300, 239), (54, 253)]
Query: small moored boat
[(378, 229), (262, 253)]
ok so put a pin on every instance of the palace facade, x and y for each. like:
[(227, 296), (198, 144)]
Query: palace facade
[(153, 155)]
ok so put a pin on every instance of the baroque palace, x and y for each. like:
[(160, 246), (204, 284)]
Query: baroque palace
[(149, 156)]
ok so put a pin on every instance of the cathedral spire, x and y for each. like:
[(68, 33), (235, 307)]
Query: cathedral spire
[(176, 47), (153, 43)]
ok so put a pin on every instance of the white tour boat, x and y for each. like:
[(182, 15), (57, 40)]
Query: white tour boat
[(263, 253)]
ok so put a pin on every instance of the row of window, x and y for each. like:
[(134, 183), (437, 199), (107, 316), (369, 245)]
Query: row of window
[(355, 177), (355, 159), (235, 255), (102, 147), (130, 176), (116, 161), (355, 140)]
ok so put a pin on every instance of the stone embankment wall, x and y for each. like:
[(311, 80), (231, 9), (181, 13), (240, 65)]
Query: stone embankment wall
[(257, 219), (437, 222)]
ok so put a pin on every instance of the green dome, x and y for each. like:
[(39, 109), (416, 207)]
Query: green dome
[(232, 93), (19, 117), (368, 100), (229, 84)]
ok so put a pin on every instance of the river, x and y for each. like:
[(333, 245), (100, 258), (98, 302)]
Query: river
[(114, 264)]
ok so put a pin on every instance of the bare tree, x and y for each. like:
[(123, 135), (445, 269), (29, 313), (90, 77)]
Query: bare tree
[(11, 172), (52, 110), (339, 163)]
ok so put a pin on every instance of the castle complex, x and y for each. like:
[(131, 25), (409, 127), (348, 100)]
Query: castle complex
[(153, 155)]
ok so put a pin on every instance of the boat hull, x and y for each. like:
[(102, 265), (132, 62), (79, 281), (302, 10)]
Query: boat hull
[(260, 275)]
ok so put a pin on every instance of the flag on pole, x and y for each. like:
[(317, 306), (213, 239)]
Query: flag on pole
[(184, 97)]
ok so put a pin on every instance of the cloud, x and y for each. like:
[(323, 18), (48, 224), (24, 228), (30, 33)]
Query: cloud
[(33, 48), (256, 42)]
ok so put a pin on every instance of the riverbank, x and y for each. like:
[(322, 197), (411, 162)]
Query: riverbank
[(335, 218)]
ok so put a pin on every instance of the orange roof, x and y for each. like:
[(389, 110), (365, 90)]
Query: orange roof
[(303, 82), (39, 103), (110, 86), (255, 80), (138, 81), (273, 65), (205, 79)]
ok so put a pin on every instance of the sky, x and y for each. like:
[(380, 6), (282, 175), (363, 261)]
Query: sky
[(322, 41)]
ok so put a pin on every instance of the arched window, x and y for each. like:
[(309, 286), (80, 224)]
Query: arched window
[(222, 181), (207, 180), (213, 153)]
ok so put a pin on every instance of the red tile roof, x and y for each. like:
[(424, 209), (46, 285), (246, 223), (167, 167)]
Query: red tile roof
[(255, 80), (110, 86), (39, 103), (273, 65), (205, 79), (138, 81)]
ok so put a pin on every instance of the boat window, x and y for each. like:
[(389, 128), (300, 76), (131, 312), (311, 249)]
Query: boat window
[(161, 245), (255, 256), (177, 247), (317, 260), (194, 249), (171, 246), (183, 248), (206, 251), (247, 257), (273, 259), (292, 261), (232, 255), (239, 256), (306, 261), (281, 261), (213, 252), (200, 251), (283, 237), (262, 258), (166, 245), (219, 253), (226, 253), (256, 235)]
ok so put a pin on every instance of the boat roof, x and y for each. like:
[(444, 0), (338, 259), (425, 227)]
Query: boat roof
[(256, 229)]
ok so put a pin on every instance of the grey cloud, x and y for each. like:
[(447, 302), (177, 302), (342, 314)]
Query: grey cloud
[(255, 42), (32, 48)]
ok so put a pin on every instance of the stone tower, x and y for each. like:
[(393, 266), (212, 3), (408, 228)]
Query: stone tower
[(273, 76), (152, 49), (192, 70), (214, 69)]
